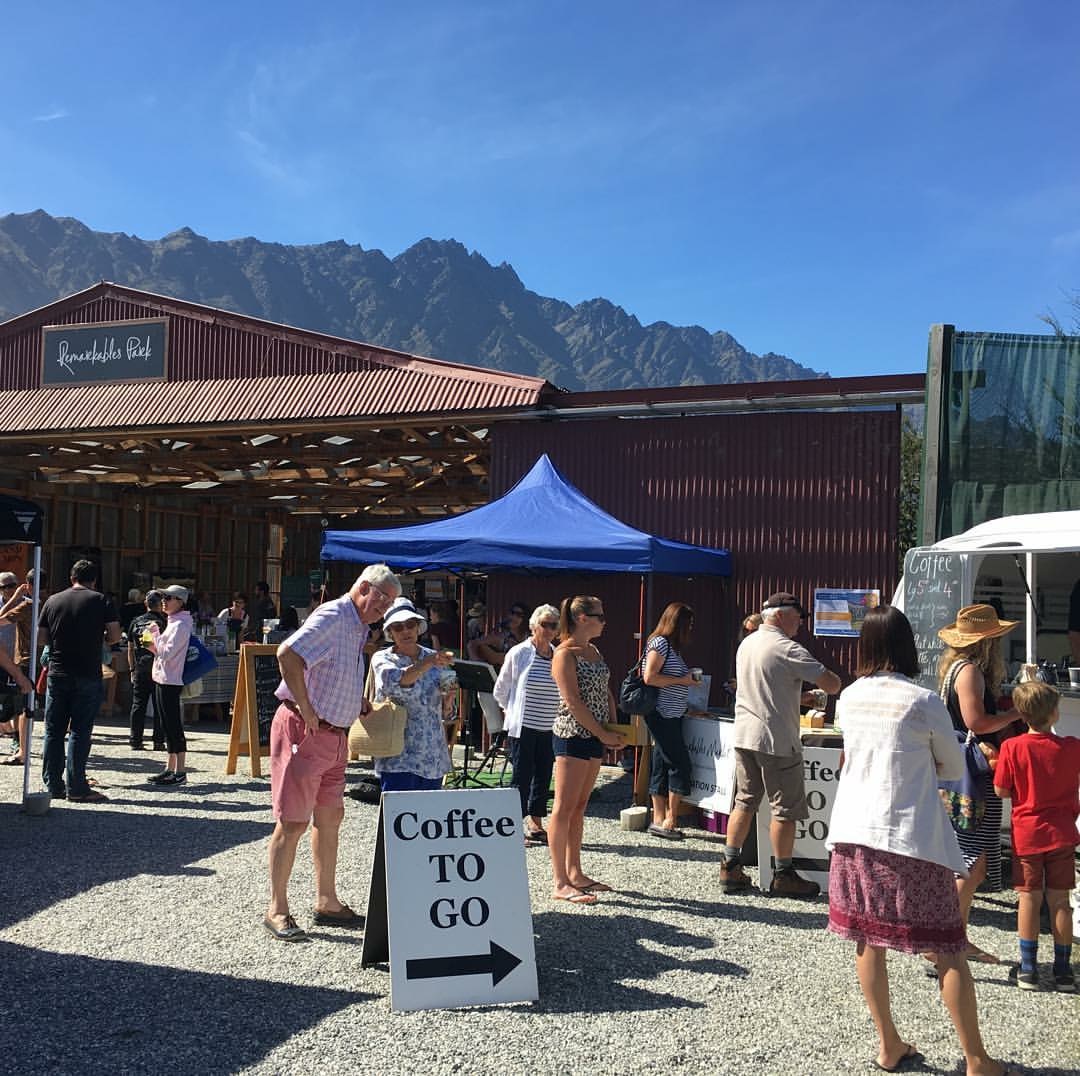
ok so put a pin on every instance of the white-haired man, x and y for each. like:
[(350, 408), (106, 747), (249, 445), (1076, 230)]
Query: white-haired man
[(321, 694), (770, 668)]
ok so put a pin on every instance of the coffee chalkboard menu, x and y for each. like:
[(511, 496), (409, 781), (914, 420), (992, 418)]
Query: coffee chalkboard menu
[(254, 704), (933, 582)]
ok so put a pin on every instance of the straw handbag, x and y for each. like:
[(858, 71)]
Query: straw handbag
[(380, 733)]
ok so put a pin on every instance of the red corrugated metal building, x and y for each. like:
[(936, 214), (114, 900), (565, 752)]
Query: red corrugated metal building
[(803, 499)]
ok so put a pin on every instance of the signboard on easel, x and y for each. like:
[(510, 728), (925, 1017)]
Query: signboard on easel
[(448, 904), (254, 705)]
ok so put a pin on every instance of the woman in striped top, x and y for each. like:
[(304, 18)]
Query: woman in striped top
[(663, 667), (528, 694)]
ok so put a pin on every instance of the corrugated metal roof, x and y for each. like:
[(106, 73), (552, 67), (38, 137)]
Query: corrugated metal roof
[(380, 393), (229, 368)]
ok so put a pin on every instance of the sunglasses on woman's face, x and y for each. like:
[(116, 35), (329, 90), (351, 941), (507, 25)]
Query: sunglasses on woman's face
[(550, 625), (598, 616)]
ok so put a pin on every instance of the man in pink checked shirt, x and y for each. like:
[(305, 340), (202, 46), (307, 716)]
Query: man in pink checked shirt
[(321, 694)]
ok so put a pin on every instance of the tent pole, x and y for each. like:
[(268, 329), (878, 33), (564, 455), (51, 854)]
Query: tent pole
[(641, 620)]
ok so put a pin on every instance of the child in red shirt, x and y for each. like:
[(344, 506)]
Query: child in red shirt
[(1040, 773)]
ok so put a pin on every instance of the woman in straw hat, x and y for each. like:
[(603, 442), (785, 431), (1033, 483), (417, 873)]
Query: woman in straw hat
[(969, 676)]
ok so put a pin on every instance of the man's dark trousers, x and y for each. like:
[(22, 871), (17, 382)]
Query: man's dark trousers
[(69, 701), (142, 691)]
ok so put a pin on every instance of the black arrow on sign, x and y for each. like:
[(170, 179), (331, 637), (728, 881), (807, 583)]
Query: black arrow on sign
[(498, 962)]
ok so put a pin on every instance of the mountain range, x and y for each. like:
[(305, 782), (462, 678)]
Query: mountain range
[(436, 298)]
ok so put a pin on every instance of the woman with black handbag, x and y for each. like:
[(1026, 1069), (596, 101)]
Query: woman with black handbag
[(665, 670), (970, 674)]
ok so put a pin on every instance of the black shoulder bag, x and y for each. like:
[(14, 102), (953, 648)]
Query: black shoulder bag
[(635, 696)]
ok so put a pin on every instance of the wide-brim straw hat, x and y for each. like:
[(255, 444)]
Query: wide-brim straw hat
[(975, 623)]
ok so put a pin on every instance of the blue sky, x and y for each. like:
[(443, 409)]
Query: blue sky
[(824, 180)]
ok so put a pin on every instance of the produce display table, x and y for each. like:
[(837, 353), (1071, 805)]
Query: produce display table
[(219, 685)]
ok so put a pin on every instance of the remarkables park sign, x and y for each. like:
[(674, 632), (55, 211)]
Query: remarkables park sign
[(120, 351)]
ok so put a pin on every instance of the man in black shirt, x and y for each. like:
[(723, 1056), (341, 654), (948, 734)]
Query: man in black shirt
[(74, 623), (141, 661), (262, 608)]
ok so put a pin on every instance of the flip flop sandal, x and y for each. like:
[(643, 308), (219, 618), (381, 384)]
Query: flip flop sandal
[(666, 834), (289, 933), (537, 836), (579, 896), (596, 887), (911, 1060)]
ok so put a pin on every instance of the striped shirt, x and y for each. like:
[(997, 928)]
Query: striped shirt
[(541, 695), (331, 642), (670, 701)]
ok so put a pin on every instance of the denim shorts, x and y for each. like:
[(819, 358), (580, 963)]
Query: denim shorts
[(577, 747)]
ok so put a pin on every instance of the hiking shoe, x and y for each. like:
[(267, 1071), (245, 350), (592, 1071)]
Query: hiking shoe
[(159, 778), (733, 879), (787, 883), (1027, 980), (1064, 981), (173, 779)]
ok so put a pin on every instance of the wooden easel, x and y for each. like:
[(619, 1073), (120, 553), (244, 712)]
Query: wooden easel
[(244, 734)]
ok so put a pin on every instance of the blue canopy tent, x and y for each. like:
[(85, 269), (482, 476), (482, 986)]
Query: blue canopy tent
[(543, 524)]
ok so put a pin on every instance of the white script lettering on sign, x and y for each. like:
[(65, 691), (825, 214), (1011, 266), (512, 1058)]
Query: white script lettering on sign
[(712, 763)]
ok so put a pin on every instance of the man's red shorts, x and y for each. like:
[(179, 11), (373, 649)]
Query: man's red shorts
[(307, 770)]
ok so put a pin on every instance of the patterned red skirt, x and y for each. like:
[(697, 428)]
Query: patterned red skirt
[(894, 902)]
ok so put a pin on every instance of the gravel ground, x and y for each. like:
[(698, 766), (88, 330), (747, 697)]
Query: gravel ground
[(130, 942)]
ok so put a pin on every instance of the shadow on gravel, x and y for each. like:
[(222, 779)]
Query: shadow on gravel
[(73, 849), (574, 977), (799, 915), (81, 1015)]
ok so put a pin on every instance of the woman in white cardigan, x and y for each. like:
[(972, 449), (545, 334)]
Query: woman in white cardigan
[(529, 697), (894, 853)]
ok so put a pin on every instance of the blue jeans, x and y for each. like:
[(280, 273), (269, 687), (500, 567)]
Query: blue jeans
[(69, 701), (533, 759), (670, 758)]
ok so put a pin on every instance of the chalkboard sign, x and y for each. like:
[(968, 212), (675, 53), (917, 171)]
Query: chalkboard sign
[(933, 581), (267, 677), (254, 704), (116, 352)]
